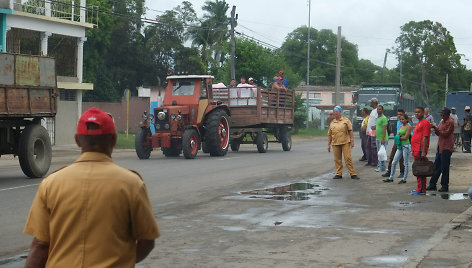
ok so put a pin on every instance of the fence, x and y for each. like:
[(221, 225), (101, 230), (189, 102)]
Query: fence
[(118, 111)]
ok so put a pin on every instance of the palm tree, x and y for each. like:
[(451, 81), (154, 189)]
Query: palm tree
[(213, 31)]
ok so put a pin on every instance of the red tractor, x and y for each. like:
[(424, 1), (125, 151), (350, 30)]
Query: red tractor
[(189, 120)]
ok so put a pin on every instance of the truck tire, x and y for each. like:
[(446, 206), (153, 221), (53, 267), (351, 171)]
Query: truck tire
[(262, 142), (235, 144), (286, 139), (190, 142), (217, 134), (171, 152), (142, 144), (34, 151)]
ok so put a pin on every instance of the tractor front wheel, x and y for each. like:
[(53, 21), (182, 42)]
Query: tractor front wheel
[(190, 142), (217, 134), (142, 144)]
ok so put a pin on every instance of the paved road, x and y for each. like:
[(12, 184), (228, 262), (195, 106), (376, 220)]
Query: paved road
[(219, 212)]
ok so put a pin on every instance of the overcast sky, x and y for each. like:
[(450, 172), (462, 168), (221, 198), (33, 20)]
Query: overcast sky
[(371, 24)]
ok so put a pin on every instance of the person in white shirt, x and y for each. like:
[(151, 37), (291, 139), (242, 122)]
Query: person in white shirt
[(457, 127), (371, 145)]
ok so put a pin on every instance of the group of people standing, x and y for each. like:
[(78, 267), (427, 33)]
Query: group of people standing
[(408, 140)]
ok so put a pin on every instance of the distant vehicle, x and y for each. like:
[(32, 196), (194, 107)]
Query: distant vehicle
[(458, 100), (390, 96), (28, 94)]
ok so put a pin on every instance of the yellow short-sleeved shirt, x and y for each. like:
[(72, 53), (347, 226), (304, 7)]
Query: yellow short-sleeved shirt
[(364, 122), (91, 213), (339, 131)]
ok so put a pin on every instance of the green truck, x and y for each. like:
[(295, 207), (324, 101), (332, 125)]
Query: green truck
[(390, 96)]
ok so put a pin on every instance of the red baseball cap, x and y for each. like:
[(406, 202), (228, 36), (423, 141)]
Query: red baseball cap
[(279, 78), (281, 72), (94, 115)]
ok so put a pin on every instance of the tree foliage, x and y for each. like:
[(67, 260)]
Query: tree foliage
[(428, 53)]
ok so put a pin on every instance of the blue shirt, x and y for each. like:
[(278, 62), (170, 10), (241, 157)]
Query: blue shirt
[(284, 82)]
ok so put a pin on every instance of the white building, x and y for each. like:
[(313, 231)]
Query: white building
[(55, 28)]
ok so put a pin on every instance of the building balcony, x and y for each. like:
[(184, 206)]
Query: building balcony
[(67, 10)]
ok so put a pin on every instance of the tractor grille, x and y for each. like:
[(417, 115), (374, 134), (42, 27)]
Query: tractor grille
[(161, 125)]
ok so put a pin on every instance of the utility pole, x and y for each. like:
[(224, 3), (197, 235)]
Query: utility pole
[(447, 89), (338, 68), (233, 22), (385, 63), (401, 68), (308, 67)]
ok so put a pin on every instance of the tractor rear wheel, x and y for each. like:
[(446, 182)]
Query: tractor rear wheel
[(262, 142), (142, 144), (286, 139), (34, 151), (190, 142), (217, 134)]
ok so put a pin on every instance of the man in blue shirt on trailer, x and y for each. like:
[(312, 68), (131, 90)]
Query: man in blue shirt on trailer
[(284, 81)]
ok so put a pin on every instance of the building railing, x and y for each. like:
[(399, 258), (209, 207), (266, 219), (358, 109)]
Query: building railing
[(67, 10)]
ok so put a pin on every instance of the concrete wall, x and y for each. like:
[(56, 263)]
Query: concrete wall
[(66, 122), (118, 111)]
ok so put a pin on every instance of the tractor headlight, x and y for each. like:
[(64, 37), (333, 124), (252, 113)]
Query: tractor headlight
[(161, 116), (172, 116), (158, 126), (166, 126), (179, 117)]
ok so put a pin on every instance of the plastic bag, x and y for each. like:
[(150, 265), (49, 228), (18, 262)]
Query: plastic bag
[(382, 154)]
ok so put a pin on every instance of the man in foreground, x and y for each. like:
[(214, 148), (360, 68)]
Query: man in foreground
[(92, 213)]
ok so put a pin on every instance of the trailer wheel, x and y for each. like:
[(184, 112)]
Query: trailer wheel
[(142, 144), (235, 145), (262, 142), (286, 139), (217, 134), (171, 152), (34, 151), (190, 142)]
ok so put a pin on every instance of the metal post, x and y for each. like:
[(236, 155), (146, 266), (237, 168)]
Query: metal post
[(447, 88), (233, 42), (338, 68), (308, 66)]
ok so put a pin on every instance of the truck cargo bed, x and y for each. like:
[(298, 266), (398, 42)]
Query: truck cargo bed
[(27, 86)]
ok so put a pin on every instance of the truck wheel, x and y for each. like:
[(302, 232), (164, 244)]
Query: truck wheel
[(142, 144), (286, 139), (190, 143), (34, 151), (171, 152), (235, 145), (204, 148), (262, 142), (217, 135)]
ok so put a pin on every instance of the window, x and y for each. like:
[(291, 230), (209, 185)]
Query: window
[(67, 95), (183, 87), (315, 95)]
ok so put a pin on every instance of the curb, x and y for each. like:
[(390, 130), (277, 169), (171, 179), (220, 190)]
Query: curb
[(418, 256)]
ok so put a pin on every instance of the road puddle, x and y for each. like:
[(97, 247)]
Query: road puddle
[(293, 192)]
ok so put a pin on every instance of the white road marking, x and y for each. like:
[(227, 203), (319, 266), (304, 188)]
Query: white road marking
[(13, 188)]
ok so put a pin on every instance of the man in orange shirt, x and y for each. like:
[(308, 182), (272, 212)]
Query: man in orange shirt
[(92, 213)]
